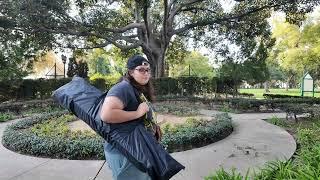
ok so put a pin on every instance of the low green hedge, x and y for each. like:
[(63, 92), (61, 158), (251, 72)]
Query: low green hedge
[(196, 133), (19, 106), (5, 116), (178, 110), (280, 96), (271, 104), (20, 138), (48, 136)]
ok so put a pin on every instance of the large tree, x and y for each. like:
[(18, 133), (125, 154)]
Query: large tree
[(297, 49), (128, 24)]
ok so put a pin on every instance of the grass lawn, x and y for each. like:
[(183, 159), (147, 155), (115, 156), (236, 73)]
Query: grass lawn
[(258, 93)]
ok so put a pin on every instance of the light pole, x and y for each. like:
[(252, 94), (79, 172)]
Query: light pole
[(64, 60)]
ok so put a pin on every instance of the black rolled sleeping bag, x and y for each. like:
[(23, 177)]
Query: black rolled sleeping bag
[(138, 144)]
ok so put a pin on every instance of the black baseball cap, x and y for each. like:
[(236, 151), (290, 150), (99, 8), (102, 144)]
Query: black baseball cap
[(137, 60)]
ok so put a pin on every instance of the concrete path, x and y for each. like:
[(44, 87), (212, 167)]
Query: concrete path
[(253, 143)]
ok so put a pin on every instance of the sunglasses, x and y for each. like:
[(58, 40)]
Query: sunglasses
[(144, 70)]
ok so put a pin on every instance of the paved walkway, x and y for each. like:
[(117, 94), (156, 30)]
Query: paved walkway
[(252, 144)]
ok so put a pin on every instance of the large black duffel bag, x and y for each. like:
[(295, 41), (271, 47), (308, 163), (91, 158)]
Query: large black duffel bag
[(137, 144)]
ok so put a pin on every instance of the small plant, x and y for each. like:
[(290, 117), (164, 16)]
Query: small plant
[(276, 121), (225, 108), (54, 127), (196, 133), (277, 170), (307, 136), (177, 110), (47, 109), (222, 174), (5, 117)]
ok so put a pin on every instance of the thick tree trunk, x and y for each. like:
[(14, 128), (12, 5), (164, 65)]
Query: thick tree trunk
[(157, 64), (156, 58), (160, 67)]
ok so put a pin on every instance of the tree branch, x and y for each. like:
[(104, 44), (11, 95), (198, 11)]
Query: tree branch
[(215, 21), (134, 43), (198, 8), (166, 13), (126, 28), (174, 11), (146, 19), (102, 45)]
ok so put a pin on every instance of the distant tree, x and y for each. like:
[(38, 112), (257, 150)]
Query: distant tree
[(82, 69), (72, 67), (297, 49), (120, 58), (175, 56), (16, 56), (99, 62), (77, 68), (194, 64)]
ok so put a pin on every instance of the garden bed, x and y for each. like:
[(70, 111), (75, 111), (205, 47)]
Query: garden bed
[(49, 135)]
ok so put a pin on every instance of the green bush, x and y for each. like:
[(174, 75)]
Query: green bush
[(28, 107), (46, 109), (164, 86), (184, 85), (221, 174), (196, 133), (56, 127), (27, 137), (276, 121), (298, 105), (104, 82), (281, 96), (246, 94), (177, 110), (5, 116), (99, 83), (39, 88)]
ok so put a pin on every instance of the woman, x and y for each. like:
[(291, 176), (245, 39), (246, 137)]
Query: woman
[(123, 105)]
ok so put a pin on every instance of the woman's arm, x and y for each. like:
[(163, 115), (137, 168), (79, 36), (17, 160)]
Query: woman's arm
[(112, 111)]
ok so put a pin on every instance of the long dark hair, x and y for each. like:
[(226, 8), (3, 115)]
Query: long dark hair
[(147, 89)]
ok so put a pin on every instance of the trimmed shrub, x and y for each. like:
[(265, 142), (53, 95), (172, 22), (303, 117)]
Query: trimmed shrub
[(5, 116), (20, 106), (196, 133), (177, 110), (277, 96), (166, 86), (20, 138), (99, 83)]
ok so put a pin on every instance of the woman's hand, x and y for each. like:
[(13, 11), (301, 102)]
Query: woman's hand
[(142, 109)]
